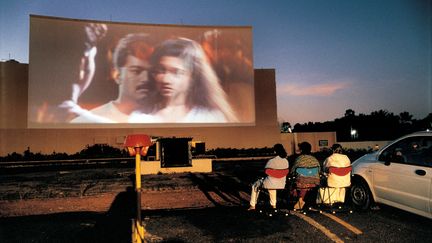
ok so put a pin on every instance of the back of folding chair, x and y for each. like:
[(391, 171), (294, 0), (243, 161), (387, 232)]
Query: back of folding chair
[(340, 171), (308, 172), (339, 177), (277, 173), (307, 177)]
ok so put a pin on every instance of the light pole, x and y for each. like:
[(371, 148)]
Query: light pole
[(137, 145)]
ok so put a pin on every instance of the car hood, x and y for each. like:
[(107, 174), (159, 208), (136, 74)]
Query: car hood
[(367, 158)]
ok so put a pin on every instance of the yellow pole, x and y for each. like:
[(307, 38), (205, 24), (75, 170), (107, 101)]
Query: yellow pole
[(138, 168), (139, 230)]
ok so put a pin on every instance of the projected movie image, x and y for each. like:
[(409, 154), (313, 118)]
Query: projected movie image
[(96, 74)]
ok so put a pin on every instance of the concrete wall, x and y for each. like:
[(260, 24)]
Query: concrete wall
[(198, 166), (318, 140), (13, 95), (374, 145), (16, 137)]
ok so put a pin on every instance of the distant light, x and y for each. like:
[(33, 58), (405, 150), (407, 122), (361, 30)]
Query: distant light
[(354, 133)]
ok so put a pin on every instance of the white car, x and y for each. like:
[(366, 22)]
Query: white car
[(398, 175)]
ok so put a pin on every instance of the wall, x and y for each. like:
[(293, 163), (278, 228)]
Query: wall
[(198, 165), (15, 137), (374, 145), (13, 94)]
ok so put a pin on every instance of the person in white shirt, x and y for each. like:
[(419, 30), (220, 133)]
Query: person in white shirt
[(272, 184), (337, 183)]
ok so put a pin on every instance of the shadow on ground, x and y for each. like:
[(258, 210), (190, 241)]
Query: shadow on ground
[(227, 220), (181, 225)]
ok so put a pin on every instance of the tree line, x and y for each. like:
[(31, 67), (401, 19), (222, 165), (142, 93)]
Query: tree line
[(377, 126)]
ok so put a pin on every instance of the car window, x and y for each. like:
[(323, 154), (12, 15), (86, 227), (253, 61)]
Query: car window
[(425, 150), (412, 150)]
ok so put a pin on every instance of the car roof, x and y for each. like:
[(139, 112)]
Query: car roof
[(422, 133)]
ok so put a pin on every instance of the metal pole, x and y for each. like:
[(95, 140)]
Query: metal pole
[(139, 230)]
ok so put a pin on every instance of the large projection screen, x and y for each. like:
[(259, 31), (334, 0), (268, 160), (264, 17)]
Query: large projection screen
[(96, 74)]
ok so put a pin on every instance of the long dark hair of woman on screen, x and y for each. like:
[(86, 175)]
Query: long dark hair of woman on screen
[(187, 86)]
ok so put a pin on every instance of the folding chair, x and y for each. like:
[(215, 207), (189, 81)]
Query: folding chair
[(304, 183), (277, 173), (331, 194)]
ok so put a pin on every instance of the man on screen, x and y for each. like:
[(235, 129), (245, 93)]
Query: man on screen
[(131, 65)]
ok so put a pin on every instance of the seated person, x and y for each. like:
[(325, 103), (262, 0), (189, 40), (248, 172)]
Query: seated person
[(305, 160), (398, 156), (336, 183), (271, 183)]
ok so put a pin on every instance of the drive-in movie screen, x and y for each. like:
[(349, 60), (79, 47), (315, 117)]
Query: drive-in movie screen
[(92, 74)]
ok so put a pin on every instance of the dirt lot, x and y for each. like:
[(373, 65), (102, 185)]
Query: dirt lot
[(98, 205), (54, 192)]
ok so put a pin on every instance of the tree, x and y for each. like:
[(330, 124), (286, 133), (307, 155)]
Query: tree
[(349, 113), (285, 127), (378, 125), (405, 117)]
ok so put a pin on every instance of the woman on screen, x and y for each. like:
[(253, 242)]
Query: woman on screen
[(188, 88)]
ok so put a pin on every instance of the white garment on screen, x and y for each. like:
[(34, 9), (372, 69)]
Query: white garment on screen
[(107, 113), (195, 115)]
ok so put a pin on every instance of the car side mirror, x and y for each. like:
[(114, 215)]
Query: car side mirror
[(385, 158)]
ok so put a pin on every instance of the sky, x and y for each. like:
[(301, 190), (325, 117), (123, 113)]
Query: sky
[(329, 55)]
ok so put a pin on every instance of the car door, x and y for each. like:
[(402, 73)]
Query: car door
[(403, 176)]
